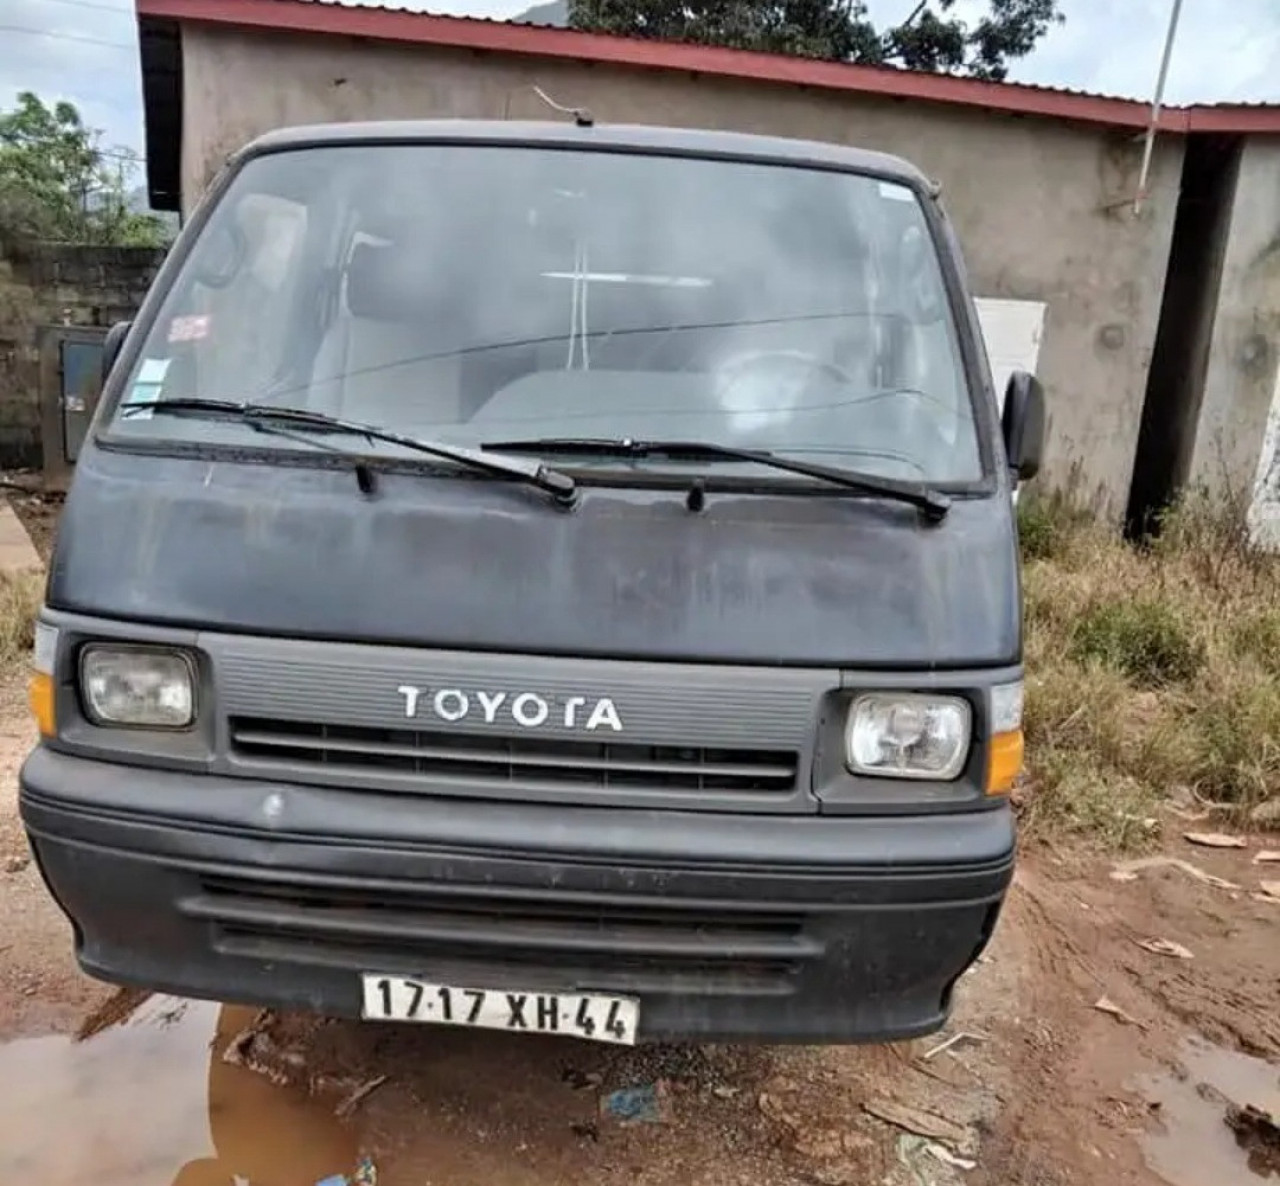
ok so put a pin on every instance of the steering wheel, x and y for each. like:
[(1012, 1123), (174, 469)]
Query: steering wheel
[(756, 401), (797, 359), (763, 387)]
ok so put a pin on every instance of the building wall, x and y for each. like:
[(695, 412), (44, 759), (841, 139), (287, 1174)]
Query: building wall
[(56, 285), (1237, 443), (1042, 207)]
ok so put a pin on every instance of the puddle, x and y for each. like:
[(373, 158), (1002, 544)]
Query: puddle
[(145, 1104), (1192, 1144)]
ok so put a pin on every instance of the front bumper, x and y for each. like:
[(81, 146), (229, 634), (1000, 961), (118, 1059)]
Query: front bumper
[(727, 927)]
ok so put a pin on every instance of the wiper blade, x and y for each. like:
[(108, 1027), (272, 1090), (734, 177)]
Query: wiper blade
[(560, 485), (933, 504)]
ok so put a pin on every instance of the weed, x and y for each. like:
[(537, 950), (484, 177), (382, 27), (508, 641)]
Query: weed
[(1148, 667), (20, 598), (1144, 640), (1256, 636), (1047, 526), (1236, 738), (1088, 801)]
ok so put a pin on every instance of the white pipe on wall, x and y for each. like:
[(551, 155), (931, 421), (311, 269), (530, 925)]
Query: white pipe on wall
[(1149, 147)]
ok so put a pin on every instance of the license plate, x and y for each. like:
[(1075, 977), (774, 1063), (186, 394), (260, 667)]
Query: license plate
[(577, 1015)]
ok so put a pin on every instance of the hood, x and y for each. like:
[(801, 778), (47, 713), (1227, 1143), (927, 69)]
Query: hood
[(459, 563)]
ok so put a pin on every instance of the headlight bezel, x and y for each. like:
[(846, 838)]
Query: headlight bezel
[(950, 774), (90, 711)]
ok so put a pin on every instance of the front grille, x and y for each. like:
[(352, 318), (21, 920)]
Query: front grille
[(646, 944), (516, 759)]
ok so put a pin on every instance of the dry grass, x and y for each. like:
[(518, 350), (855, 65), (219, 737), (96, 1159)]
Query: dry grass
[(1151, 672), (20, 599)]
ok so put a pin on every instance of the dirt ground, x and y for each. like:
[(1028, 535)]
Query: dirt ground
[(37, 508), (1040, 1087)]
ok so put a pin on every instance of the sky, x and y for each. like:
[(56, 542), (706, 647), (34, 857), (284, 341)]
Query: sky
[(1227, 51)]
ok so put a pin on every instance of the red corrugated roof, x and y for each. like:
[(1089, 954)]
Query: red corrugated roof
[(384, 23)]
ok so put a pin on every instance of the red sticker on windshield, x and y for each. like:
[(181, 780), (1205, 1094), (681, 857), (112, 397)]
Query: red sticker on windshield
[(189, 329)]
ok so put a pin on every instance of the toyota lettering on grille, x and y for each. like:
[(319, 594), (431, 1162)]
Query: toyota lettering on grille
[(526, 709)]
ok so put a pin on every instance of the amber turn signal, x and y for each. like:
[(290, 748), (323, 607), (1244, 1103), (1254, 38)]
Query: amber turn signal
[(41, 698), (1004, 762)]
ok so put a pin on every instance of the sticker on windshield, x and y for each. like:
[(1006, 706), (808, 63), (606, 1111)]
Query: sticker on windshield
[(895, 192), (189, 329), (152, 371), (147, 386)]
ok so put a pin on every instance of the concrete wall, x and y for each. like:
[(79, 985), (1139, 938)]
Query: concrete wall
[(56, 285), (1041, 206), (1237, 440)]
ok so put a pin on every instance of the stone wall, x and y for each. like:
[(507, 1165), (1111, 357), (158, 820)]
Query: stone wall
[(51, 285)]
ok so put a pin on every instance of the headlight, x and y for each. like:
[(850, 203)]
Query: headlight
[(904, 735), (137, 686)]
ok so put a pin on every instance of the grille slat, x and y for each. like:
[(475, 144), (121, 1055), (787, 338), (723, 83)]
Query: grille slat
[(707, 947), (638, 975), (499, 932), (480, 756)]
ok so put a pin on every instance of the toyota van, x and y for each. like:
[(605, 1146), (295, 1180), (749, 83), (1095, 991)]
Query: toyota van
[(548, 577)]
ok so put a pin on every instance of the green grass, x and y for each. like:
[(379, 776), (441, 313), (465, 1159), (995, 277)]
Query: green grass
[(1144, 640)]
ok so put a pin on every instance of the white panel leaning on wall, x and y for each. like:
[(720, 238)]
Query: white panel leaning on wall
[(1012, 331)]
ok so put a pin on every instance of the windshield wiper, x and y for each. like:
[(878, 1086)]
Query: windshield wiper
[(269, 417), (932, 504)]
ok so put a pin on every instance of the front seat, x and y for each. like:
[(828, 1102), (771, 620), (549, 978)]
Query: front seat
[(382, 360)]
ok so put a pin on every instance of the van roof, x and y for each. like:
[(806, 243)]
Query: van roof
[(617, 137)]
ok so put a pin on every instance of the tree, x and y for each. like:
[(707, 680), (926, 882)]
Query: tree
[(58, 183), (931, 38)]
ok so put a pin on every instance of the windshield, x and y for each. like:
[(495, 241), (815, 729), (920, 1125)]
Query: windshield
[(478, 294)]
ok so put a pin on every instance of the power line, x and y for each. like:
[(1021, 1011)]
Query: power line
[(66, 36), (118, 9)]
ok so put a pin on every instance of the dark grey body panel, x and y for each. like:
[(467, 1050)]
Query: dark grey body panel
[(745, 845), (456, 563), (727, 928), (652, 138), (609, 137)]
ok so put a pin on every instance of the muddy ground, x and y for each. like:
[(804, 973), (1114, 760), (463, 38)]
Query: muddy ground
[(1040, 1087)]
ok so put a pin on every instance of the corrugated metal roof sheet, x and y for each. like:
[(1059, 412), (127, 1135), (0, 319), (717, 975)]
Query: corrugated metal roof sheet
[(1040, 88)]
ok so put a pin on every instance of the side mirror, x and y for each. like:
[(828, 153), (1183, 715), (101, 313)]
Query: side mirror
[(112, 345), (1023, 424)]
